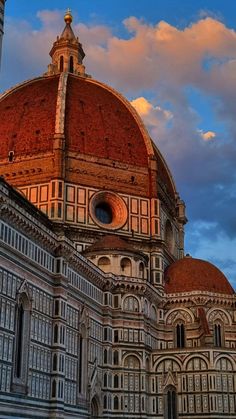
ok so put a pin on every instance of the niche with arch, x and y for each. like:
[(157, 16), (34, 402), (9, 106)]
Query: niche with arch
[(141, 270), (131, 304), (126, 267), (104, 264)]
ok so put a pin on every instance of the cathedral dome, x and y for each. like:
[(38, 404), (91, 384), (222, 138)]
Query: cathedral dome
[(97, 121), (78, 150), (84, 125), (28, 113), (66, 125), (189, 274)]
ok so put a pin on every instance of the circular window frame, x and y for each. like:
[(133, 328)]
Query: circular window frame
[(117, 205)]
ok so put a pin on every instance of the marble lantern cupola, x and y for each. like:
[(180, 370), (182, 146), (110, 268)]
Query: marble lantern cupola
[(67, 52)]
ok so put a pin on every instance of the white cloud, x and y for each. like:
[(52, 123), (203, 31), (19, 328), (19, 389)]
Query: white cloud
[(207, 135)]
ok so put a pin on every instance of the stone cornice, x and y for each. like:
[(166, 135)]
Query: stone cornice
[(196, 298), (12, 214)]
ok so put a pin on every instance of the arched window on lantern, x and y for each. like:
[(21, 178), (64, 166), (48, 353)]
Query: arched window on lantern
[(71, 69), (61, 63)]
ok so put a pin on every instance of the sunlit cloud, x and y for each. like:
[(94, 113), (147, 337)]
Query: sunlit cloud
[(153, 116), (208, 135)]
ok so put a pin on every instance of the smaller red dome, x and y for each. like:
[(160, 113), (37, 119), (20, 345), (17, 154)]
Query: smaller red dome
[(110, 243), (189, 274)]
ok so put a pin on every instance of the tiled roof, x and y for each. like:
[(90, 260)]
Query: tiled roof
[(112, 243), (189, 274), (98, 123), (28, 118)]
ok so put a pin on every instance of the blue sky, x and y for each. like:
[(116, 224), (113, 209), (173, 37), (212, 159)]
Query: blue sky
[(176, 61)]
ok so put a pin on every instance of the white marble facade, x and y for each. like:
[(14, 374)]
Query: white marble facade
[(77, 342)]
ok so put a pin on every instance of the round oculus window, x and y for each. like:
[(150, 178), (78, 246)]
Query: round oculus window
[(108, 210), (103, 213)]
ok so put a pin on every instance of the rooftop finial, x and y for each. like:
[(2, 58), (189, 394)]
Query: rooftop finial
[(67, 52), (68, 17)]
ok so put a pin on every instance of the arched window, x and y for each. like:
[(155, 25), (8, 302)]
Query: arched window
[(105, 402), (104, 263), (71, 69), (125, 265), (153, 313), (132, 383), (82, 373), (54, 363), (217, 335), (54, 388), (180, 335), (116, 381), (94, 407), (56, 307), (105, 356), (22, 344), (170, 403), (115, 358), (105, 380), (141, 270), (131, 304), (132, 362), (116, 335), (61, 63), (55, 333), (116, 403), (20, 334)]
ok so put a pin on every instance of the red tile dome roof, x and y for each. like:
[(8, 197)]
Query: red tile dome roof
[(102, 139), (111, 242), (97, 120), (28, 117), (189, 274)]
